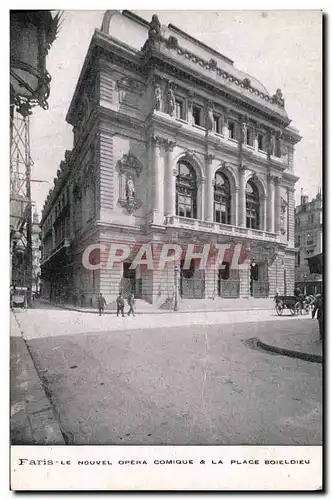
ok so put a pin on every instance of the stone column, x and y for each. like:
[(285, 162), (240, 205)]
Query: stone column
[(234, 207), (200, 198), (277, 206), (209, 189), (190, 108), (225, 124), (270, 204), (170, 179), (264, 213), (157, 178), (242, 199)]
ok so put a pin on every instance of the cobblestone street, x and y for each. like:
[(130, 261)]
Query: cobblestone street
[(198, 384)]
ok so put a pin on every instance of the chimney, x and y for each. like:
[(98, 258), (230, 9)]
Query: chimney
[(304, 198)]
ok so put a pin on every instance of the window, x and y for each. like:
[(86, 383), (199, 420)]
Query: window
[(250, 136), (222, 199), (310, 238), (197, 115), (231, 129), (224, 271), (298, 241), (252, 205), (186, 191), (216, 123), (261, 142), (179, 109), (298, 259)]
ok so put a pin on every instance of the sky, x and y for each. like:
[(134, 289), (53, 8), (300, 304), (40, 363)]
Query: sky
[(280, 48)]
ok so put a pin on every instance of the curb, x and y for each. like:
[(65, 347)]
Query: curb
[(165, 311), (314, 358), (37, 409)]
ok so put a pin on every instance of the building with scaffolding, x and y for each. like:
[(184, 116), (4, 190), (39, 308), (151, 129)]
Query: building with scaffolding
[(31, 36), (172, 144)]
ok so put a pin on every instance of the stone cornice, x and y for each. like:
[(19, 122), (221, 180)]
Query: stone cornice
[(154, 52)]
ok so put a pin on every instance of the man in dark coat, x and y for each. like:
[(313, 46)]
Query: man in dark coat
[(318, 307), (101, 304), (131, 303), (120, 303)]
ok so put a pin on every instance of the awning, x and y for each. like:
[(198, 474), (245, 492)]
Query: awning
[(315, 264)]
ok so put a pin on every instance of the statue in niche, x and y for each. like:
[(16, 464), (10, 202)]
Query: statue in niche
[(209, 124), (170, 102), (282, 216), (243, 132), (278, 98), (155, 26), (130, 188), (157, 97)]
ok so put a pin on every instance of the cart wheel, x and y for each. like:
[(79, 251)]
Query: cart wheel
[(298, 308), (306, 309), (279, 309)]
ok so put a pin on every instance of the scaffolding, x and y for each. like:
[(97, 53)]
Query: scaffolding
[(20, 200)]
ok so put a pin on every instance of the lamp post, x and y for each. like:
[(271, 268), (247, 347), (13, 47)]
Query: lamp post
[(176, 291), (305, 286)]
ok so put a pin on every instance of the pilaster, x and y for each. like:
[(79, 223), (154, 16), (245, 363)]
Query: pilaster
[(157, 179), (270, 203), (277, 205), (242, 198), (209, 188), (170, 179)]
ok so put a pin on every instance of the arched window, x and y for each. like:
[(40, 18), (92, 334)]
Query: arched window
[(222, 199), (252, 205), (186, 191)]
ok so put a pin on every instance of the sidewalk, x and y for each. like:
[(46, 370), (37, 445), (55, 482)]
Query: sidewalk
[(51, 321), (185, 306), (32, 417), (301, 346)]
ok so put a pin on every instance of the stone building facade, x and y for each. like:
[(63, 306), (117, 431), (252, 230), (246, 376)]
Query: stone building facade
[(308, 238), (172, 144)]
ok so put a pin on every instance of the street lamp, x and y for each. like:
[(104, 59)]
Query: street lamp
[(176, 291), (32, 33)]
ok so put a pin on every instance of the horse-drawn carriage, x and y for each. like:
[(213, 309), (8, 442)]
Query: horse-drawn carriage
[(295, 304)]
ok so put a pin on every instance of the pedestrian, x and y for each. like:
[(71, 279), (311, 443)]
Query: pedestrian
[(120, 303), (318, 307), (101, 304), (131, 303)]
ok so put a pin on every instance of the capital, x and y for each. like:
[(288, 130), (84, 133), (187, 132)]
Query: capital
[(242, 169), (169, 145), (209, 158), (157, 141)]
